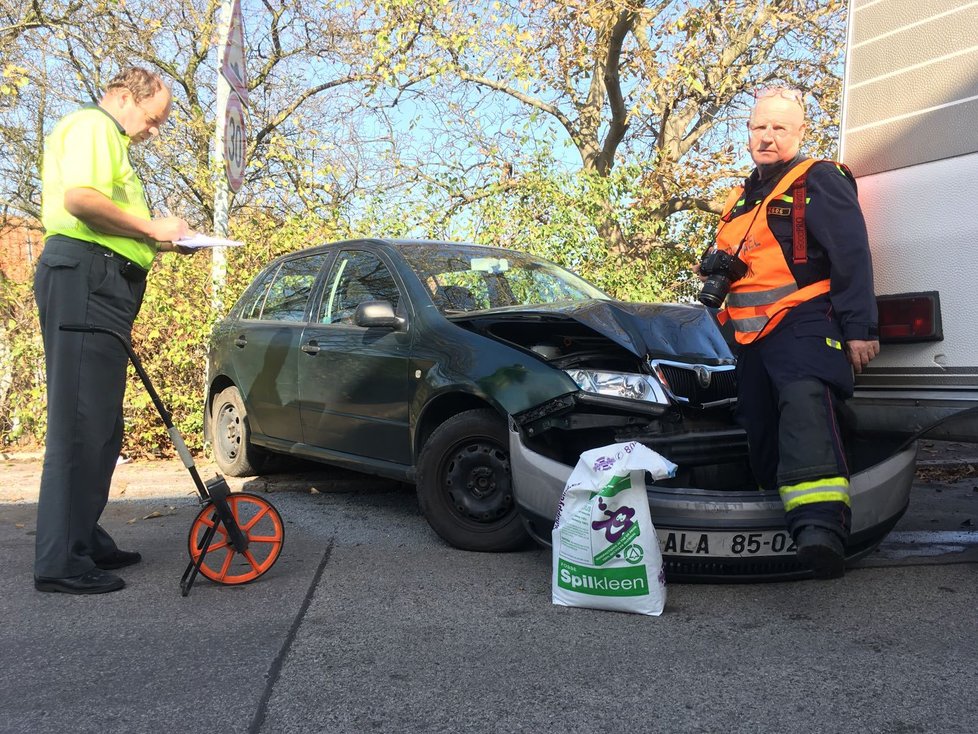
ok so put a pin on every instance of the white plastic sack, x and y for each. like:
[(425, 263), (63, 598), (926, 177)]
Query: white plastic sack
[(605, 551)]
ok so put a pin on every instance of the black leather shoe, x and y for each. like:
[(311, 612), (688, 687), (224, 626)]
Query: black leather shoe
[(118, 559), (822, 551), (95, 581)]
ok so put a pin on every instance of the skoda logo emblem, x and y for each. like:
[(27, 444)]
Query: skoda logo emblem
[(703, 376)]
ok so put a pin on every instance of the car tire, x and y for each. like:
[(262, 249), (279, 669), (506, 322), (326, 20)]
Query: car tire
[(231, 436), (465, 486)]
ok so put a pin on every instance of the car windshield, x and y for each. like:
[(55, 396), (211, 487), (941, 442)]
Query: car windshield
[(462, 278)]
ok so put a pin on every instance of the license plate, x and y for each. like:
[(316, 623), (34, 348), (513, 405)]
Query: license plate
[(723, 544)]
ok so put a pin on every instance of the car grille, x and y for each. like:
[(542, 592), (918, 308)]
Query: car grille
[(734, 570), (685, 382), (697, 447)]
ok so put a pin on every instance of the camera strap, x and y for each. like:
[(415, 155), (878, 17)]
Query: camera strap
[(799, 238), (757, 210)]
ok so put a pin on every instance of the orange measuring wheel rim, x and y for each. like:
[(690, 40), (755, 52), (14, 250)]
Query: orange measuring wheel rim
[(261, 525)]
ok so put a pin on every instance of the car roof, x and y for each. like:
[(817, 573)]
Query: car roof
[(394, 243), (399, 242)]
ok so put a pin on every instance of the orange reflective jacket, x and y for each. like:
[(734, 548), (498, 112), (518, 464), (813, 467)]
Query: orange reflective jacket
[(759, 300)]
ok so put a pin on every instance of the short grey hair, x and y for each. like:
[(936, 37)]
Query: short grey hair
[(142, 83)]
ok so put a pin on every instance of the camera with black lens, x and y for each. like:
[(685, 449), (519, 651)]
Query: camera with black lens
[(721, 269)]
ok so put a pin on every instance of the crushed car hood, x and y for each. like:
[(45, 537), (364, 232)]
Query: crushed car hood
[(656, 330)]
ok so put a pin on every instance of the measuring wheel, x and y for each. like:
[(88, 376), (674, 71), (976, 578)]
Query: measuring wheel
[(261, 526)]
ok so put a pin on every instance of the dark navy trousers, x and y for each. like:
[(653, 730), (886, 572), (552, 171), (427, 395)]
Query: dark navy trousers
[(86, 380), (791, 384)]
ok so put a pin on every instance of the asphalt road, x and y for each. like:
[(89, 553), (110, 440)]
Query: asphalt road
[(369, 623)]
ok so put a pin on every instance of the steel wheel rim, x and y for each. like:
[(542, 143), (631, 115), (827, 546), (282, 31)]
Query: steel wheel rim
[(477, 483), (229, 432)]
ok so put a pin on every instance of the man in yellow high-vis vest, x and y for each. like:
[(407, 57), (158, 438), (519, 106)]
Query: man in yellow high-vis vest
[(100, 242)]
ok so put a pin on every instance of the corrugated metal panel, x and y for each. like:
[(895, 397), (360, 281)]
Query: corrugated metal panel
[(880, 17), (907, 142), (912, 68)]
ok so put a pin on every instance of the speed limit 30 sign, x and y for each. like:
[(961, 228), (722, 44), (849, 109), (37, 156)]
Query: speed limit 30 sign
[(235, 140)]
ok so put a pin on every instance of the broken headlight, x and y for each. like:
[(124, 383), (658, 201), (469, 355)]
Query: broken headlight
[(625, 385)]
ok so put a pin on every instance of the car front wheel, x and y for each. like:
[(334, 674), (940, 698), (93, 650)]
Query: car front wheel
[(233, 451), (465, 486)]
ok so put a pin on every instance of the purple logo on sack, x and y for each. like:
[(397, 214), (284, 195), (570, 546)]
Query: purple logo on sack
[(604, 463), (617, 523)]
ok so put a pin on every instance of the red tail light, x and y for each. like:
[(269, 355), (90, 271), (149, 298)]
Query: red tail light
[(910, 317)]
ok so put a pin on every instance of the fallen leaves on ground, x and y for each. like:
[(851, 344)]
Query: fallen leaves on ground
[(166, 512)]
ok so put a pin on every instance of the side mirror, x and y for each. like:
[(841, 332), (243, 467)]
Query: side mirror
[(374, 314)]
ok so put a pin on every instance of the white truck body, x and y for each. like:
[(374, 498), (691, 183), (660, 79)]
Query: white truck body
[(910, 135)]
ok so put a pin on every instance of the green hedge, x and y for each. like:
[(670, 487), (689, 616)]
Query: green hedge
[(172, 332)]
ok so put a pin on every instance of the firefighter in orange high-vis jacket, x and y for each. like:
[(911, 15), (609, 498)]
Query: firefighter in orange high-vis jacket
[(803, 312)]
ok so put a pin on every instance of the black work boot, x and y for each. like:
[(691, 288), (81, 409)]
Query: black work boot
[(822, 551)]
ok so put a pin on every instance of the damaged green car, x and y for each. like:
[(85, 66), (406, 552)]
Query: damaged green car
[(481, 374)]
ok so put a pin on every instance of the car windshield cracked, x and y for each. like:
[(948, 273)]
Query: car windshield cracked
[(480, 374)]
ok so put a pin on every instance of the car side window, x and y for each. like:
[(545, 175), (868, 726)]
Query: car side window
[(251, 308), (289, 293), (356, 276)]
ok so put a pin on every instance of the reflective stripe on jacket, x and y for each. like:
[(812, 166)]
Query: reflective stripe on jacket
[(760, 299)]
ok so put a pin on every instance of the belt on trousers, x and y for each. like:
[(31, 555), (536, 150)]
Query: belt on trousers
[(129, 270)]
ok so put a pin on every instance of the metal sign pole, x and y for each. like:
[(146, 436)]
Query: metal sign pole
[(231, 134), (222, 192)]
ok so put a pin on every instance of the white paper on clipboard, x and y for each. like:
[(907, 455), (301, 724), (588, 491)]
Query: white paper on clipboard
[(197, 241)]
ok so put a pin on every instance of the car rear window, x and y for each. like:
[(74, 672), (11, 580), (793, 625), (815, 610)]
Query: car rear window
[(288, 295)]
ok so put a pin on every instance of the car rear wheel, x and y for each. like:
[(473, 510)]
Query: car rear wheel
[(465, 486), (233, 451)]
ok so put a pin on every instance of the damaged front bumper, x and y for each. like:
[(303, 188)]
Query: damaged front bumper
[(729, 534)]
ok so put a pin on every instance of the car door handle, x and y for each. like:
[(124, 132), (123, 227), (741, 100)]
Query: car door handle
[(240, 341), (310, 348)]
